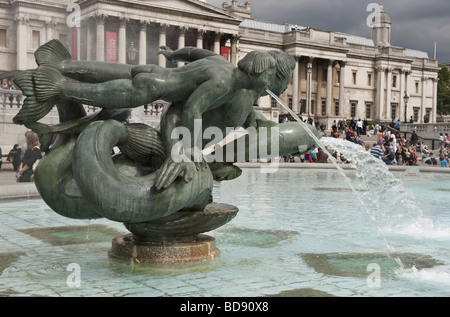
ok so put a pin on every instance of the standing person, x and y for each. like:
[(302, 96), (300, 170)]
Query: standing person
[(365, 126), (14, 157), (359, 127), (414, 138), (32, 154), (389, 156), (353, 123), (446, 139), (397, 124), (377, 129)]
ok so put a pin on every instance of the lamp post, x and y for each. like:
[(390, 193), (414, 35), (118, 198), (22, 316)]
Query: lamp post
[(132, 53), (308, 88), (406, 99)]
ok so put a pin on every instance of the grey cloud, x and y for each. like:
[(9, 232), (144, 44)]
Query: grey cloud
[(416, 24)]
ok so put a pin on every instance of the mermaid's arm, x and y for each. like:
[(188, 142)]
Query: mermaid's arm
[(185, 54)]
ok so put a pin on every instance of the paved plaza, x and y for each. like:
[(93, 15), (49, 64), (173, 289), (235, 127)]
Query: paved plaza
[(41, 251)]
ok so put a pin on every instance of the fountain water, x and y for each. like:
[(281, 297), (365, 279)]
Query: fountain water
[(377, 185)]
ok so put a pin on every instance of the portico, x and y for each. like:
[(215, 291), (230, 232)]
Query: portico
[(132, 33)]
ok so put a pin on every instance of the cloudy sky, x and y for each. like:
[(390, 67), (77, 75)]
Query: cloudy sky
[(416, 24)]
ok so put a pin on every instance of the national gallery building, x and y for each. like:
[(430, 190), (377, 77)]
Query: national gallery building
[(337, 76)]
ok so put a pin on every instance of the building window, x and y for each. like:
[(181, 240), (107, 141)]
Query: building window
[(336, 108), (324, 107), (416, 114), (36, 38), (369, 79), (324, 74), (354, 78), (426, 119), (338, 76), (2, 38), (393, 111), (417, 87), (302, 106), (290, 103), (273, 102), (312, 106), (368, 110), (394, 81), (353, 109)]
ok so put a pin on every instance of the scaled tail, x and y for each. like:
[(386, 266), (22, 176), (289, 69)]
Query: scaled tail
[(144, 143), (46, 83), (40, 87), (52, 54)]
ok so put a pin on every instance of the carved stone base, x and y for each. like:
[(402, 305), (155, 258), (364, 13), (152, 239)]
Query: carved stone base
[(126, 248)]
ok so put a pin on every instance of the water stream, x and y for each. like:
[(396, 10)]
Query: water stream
[(377, 186)]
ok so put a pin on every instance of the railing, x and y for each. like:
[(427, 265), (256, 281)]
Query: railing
[(434, 142), (12, 99)]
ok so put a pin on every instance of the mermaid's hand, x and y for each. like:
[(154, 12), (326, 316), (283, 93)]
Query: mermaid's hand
[(166, 52), (170, 170), (224, 171)]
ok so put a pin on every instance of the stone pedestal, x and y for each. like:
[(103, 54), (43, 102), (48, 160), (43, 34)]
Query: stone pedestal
[(126, 248), (177, 238)]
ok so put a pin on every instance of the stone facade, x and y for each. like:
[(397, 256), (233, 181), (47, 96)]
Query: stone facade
[(338, 75)]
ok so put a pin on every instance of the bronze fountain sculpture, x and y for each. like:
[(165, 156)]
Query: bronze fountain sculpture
[(160, 184)]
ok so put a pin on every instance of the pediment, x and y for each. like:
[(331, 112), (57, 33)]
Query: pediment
[(187, 7)]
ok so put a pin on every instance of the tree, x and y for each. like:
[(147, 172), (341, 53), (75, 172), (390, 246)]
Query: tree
[(443, 93)]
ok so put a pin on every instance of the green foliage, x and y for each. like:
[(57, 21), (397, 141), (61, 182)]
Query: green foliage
[(443, 93)]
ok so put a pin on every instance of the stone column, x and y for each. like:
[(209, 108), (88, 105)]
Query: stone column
[(79, 43), (182, 41), (295, 105), (329, 87), (143, 43), (318, 110), (217, 37), (234, 52), (21, 42), (424, 98), (200, 34), (90, 39), (100, 48), (122, 39), (402, 94), (388, 107), (380, 92), (407, 73), (434, 106), (162, 42), (49, 25), (341, 88)]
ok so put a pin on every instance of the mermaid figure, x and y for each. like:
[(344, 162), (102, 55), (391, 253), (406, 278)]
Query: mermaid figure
[(146, 182)]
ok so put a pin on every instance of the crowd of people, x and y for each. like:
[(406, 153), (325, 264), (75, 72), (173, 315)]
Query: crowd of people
[(25, 158), (390, 147)]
